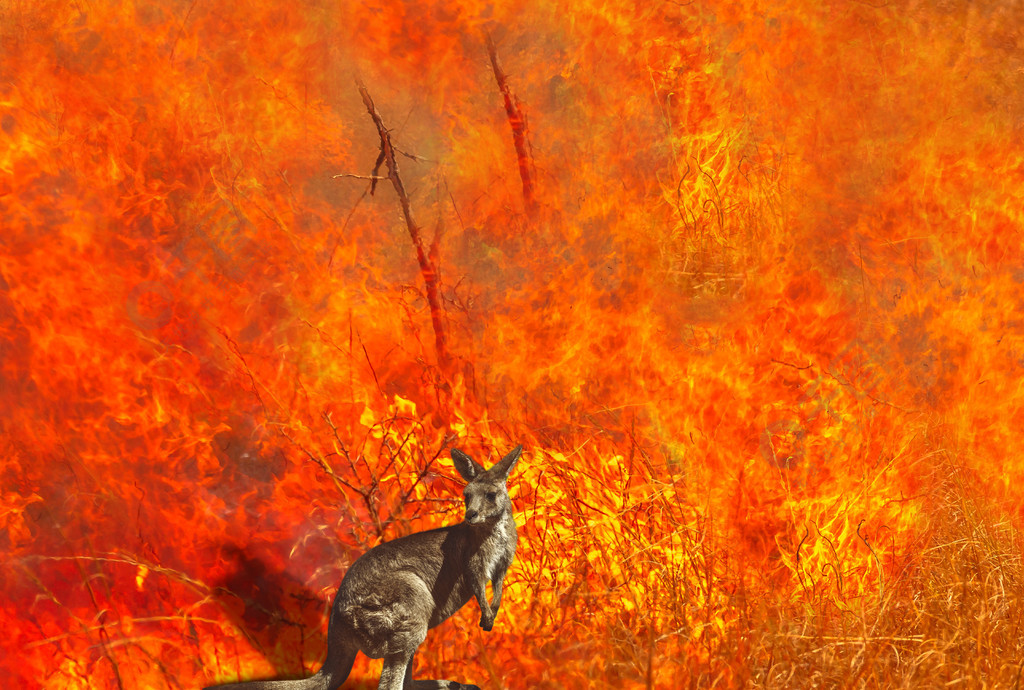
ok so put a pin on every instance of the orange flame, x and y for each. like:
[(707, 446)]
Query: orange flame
[(755, 321)]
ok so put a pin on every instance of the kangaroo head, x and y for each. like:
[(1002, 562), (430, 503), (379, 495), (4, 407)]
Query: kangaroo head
[(486, 494)]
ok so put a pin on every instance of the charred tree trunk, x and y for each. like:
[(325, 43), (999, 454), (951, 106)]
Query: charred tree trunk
[(428, 262), (517, 121)]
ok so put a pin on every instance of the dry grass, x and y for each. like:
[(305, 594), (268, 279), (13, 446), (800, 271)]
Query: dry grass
[(949, 615)]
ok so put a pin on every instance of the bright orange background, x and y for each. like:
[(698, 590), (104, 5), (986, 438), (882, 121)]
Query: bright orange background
[(762, 338)]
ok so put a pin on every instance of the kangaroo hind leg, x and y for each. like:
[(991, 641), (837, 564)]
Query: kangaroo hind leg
[(392, 676), (411, 684)]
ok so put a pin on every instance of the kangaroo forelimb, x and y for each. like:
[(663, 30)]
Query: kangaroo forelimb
[(496, 598), (486, 613)]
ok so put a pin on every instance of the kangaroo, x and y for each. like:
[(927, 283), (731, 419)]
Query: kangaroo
[(396, 591)]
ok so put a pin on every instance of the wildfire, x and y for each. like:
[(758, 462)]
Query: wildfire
[(743, 277)]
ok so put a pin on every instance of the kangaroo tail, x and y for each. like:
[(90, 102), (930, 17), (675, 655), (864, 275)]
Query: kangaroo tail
[(333, 673), (319, 681)]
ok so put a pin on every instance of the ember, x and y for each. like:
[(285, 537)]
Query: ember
[(742, 276)]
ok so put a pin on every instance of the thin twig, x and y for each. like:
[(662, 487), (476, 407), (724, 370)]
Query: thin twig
[(359, 177)]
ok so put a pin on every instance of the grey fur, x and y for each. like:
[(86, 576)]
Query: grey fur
[(398, 590)]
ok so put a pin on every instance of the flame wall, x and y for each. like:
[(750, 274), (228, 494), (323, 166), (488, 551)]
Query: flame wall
[(758, 331)]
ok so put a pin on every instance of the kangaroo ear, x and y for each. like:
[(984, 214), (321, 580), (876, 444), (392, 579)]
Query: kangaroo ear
[(467, 466), (505, 466)]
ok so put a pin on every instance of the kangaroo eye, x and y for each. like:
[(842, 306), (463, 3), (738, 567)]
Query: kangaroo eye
[(491, 496)]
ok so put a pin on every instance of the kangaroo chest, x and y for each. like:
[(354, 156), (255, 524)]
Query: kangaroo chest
[(498, 549)]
